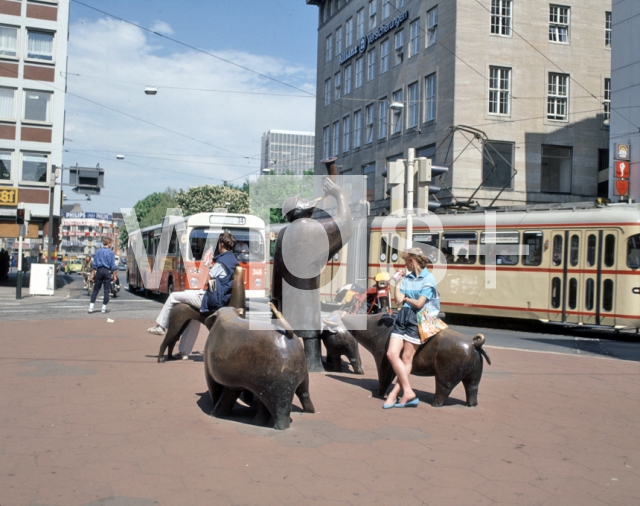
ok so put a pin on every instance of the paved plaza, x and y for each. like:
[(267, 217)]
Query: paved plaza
[(87, 417)]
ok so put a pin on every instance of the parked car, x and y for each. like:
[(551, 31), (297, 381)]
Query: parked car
[(74, 265), (122, 267)]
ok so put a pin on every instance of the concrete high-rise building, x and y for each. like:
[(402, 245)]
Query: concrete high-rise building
[(285, 151), (511, 96), (33, 64), (625, 94)]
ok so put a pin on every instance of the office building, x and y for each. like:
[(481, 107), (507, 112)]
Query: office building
[(511, 96), (284, 152), (81, 232), (33, 64)]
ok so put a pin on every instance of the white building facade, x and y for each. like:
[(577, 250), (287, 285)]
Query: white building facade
[(81, 233), (512, 96), (286, 151)]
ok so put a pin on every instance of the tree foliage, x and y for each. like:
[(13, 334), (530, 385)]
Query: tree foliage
[(206, 198), (267, 193), (150, 210)]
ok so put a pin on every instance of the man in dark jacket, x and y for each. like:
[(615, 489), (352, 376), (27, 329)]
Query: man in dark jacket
[(216, 296)]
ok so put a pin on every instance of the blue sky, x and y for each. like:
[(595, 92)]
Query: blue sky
[(205, 123)]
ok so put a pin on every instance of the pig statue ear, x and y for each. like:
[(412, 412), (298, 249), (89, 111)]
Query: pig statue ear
[(211, 320)]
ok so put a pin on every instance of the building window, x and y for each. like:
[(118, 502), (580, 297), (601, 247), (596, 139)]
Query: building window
[(397, 113), (337, 83), (430, 97), (558, 23), (555, 172), (329, 49), (413, 105), (399, 46), (349, 32), (327, 92), (37, 106), (360, 23), (7, 104), (336, 139), (339, 41), (386, 9), (346, 133), (384, 56), (607, 100), (399, 4), (497, 164), (557, 96), (499, 90), (414, 43), (373, 14), (348, 76), (8, 42), (371, 64), (369, 170), (359, 71), (607, 30), (5, 165), (383, 118), (368, 111), (326, 134), (40, 45), (501, 17), (357, 129), (432, 26), (34, 167)]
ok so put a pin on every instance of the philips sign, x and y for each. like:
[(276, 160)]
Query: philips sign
[(373, 36)]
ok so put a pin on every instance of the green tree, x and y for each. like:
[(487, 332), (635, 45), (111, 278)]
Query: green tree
[(150, 210), (206, 198), (265, 191)]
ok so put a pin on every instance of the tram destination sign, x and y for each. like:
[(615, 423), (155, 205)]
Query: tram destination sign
[(383, 29)]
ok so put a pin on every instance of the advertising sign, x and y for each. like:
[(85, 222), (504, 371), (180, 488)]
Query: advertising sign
[(42, 279), (622, 169), (621, 187), (622, 151)]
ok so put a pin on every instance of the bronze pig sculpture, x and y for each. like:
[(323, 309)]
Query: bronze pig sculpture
[(267, 361), (338, 341), (450, 356)]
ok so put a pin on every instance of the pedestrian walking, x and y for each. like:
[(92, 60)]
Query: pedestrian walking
[(104, 265)]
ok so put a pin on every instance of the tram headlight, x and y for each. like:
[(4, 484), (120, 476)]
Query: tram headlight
[(193, 282)]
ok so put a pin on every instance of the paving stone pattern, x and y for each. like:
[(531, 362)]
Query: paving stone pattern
[(88, 418)]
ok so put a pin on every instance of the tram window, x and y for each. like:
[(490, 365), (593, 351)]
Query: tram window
[(555, 292), (532, 240), (383, 249), (557, 250), (501, 247), (573, 293), (591, 250), (633, 251), (607, 295), (588, 297), (460, 248), (574, 252), (428, 243), (609, 250)]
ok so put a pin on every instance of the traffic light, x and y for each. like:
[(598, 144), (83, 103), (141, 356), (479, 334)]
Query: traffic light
[(20, 216), (395, 172), (427, 172)]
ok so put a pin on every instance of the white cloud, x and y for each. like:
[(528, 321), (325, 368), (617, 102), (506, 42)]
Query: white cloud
[(115, 61), (162, 27)]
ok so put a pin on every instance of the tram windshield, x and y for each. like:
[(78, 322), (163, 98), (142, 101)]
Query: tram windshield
[(633, 251)]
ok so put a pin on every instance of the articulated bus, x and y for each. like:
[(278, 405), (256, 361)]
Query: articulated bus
[(568, 264), (200, 231)]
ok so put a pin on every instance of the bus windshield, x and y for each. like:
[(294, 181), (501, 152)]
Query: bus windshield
[(249, 243)]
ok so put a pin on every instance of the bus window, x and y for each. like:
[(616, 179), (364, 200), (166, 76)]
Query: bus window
[(173, 243), (534, 242), (383, 249), (557, 250), (574, 252), (588, 298), (591, 250), (609, 250), (460, 247), (428, 243), (156, 242), (607, 295), (393, 251), (501, 248), (573, 293), (145, 243), (555, 292), (633, 251)]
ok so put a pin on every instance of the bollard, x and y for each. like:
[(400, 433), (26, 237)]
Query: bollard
[(19, 285)]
